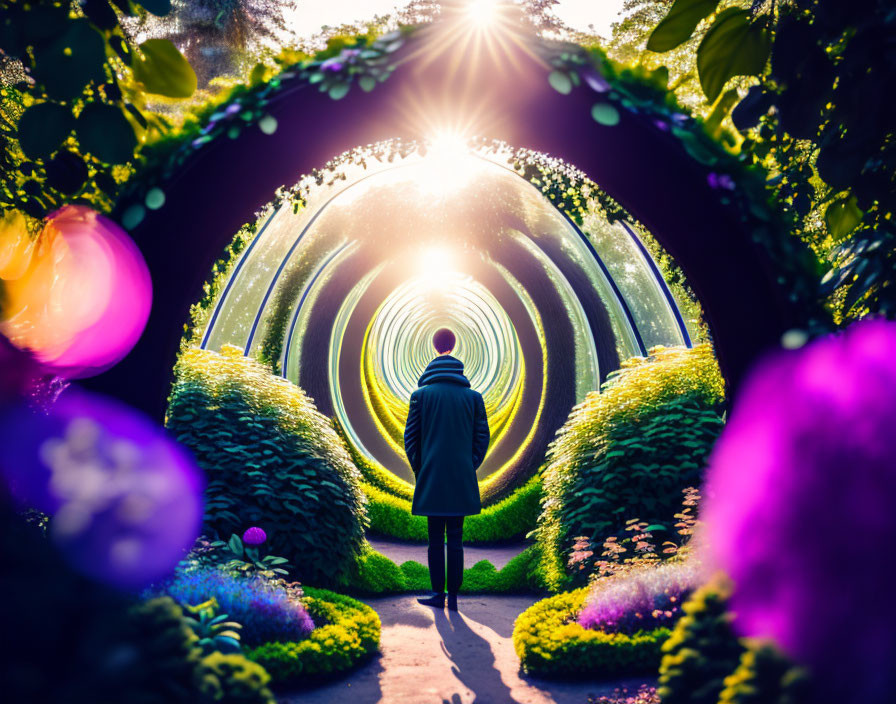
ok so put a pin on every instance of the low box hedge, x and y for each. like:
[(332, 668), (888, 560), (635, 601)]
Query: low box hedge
[(550, 642), (374, 573), (512, 517), (347, 632)]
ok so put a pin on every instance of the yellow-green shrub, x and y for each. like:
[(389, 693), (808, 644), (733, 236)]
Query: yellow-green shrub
[(512, 517), (347, 632), (629, 451), (234, 679), (549, 641)]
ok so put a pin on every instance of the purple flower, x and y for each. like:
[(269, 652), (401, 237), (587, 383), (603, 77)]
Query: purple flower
[(800, 509), (254, 536), (124, 500), (333, 65), (232, 109), (723, 181), (596, 81), (642, 599), (265, 610)]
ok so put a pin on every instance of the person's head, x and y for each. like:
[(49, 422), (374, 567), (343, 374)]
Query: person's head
[(443, 340)]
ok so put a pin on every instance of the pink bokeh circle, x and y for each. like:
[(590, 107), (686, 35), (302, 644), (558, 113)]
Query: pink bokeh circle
[(83, 301)]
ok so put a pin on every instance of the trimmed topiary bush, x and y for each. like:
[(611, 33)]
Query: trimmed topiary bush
[(766, 676), (704, 662), (272, 461), (374, 573), (629, 452), (347, 632), (549, 641)]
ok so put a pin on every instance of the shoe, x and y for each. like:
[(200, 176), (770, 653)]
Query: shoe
[(452, 602), (436, 600)]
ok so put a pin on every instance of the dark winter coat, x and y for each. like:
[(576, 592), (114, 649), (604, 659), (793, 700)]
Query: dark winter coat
[(445, 440)]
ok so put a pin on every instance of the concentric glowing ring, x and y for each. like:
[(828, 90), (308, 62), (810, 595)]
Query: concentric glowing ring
[(346, 280), (398, 346)]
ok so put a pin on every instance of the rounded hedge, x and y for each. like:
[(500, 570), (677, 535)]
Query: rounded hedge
[(272, 460), (629, 451), (549, 641), (346, 632)]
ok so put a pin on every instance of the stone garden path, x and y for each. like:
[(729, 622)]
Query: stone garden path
[(439, 657)]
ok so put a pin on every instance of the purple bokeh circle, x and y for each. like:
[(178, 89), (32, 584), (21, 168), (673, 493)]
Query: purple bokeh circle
[(800, 507), (124, 500)]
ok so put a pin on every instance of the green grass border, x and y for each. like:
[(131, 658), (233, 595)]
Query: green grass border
[(512, 517), (374, 574), (550, 642), (348, 634)]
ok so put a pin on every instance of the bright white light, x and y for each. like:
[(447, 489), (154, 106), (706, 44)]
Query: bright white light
[(437, 267), (448, 164), (447, 145), (482, 12), (310, 16)]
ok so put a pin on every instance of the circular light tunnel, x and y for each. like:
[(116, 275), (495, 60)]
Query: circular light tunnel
[(343, 295)]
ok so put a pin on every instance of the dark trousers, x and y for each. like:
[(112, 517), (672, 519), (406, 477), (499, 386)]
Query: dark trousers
[(441, 527)]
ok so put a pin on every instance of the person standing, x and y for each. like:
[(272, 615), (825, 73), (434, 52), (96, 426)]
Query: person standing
[(446, 437)]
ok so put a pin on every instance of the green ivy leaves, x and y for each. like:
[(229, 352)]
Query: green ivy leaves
[(105, 132), (842, 217), (677, 26), (733, 46), (163, 70), (78, 113), (71, 61), (43, 127)]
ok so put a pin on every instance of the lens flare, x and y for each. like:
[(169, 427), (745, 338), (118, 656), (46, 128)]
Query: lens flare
[(482, 12)]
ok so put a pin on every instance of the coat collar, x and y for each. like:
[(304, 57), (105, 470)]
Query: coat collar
[(444, 368)]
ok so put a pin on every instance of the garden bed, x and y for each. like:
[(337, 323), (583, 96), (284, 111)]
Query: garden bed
[(550, 642), (347, 632)]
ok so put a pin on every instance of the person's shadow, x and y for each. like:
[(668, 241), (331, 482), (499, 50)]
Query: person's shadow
[(473, 662)]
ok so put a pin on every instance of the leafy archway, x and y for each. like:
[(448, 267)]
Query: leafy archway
[(705, 208)]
